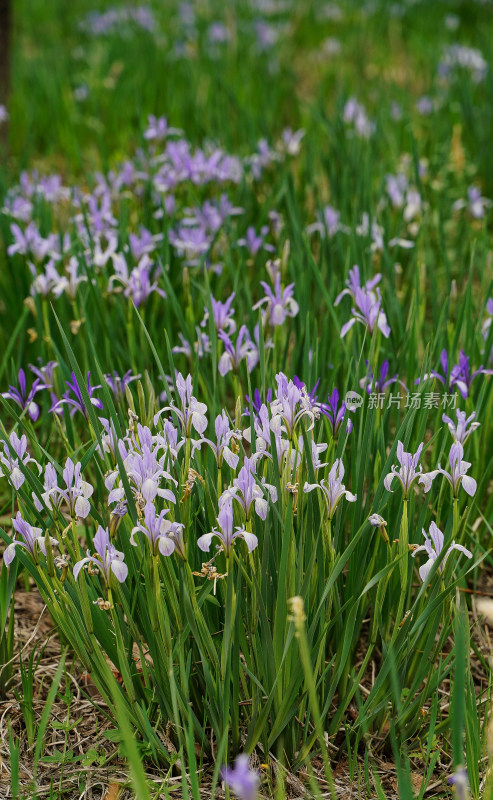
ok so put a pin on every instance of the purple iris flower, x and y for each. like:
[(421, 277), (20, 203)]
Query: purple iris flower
[(145, 472), (332, 488), (460, 375), (158, 128), (158, 531), (475, 203), (226, 535), (191, 242), (255, 242), (32, 540), (118, 385), (309, 395), (460, 781), (264, 426), (334, 414), (45, 373), (137, 283), (290, 405), (257, 401), (73, 397), (192, 413), (143, 244), (224, 435), (248, 493), (457, 474), (433, 546), (49, 282), (23, 398), (353, 283), (369, 312), (279, 302), (380, 384), (235, 353), (107, 558), (13, 452), (111, 443), (486, 326), (31, 241), (75, 495), (328, 223), (242, 780), (222, 315), (465, 426), (409, 473)]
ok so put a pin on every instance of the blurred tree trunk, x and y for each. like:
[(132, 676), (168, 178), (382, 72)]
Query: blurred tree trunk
[(5, 27)]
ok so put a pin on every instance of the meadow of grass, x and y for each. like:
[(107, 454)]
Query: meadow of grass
[(246, 371)]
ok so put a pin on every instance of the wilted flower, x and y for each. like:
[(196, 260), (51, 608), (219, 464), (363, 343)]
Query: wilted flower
[(226, 535), (242, 780), (107, 558), (332, 488), (462, 431), (23, 398), (32, 540), (433, 546), (407, 474), (376, 521)]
